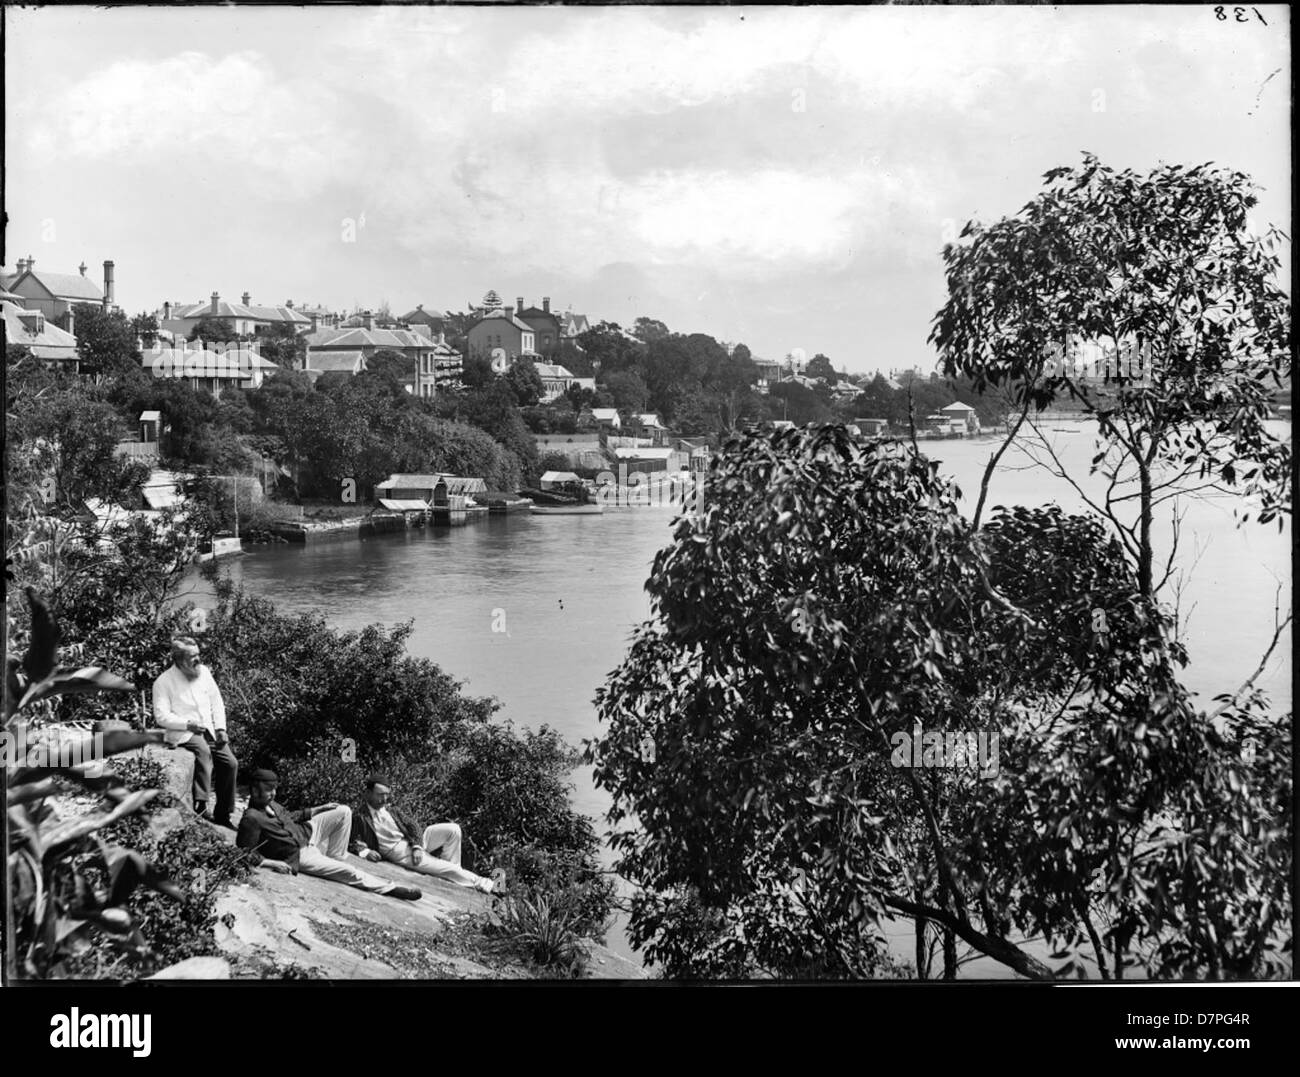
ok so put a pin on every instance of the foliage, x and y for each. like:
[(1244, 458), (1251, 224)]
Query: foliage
[(524, 381), (544, 929), (214, 331), (56, 902), (106, 341), (819, 366), (193, 855), (1162, 271), (831, 597)]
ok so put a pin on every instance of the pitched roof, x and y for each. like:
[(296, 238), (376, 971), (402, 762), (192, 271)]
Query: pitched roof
[(238, 310), (367, 338), (605, 413), (419, 314), (65, 285), (649, 418), (323, 361), (31, 329), (552, 370), (958, 406), (184, 362), (501, 314), (572, 324)]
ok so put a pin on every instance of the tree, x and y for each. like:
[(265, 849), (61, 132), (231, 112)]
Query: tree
[(476, 371), (525, 382), (833, 595), (106, 342), (649, 329), (797, 403), (62, 443), (391, 365), (820, 367), (214, 331), (628, 390), (283, 345), (609, 349), (145, 327), (1160, 273)]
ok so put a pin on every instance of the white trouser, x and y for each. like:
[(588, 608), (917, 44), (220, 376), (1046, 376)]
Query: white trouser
[(323, 855), (443, 839)]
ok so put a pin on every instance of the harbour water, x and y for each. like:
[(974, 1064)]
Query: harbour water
[(569, 590)]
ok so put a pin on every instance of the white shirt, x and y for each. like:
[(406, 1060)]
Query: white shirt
[(178, 700), (387, 833)]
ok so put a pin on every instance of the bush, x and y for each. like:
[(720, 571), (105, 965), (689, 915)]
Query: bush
[(193, 856)]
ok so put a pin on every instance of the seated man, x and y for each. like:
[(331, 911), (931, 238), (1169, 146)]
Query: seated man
[(280, 842), (187, 703), (381, 831)]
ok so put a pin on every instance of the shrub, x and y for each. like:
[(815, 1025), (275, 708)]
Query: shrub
[(193, 856)]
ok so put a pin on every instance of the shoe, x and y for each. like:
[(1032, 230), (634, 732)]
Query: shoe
[(499, 887), (406, 893)]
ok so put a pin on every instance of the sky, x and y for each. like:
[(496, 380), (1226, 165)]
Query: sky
[(782, 177)]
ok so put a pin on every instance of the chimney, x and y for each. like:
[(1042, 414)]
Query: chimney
[(167, 310), (246, 299), (289, 303), (216, 299), (313, 321), (510, 313), (108, 285), (368, 320), (31, 263), (520, 304), (82, 267), (546, 303), (419, 306)]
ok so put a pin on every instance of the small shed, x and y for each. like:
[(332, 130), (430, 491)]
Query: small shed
[(150, 425), (551, 479)]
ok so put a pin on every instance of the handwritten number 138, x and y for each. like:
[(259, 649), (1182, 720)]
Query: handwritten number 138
[(1239, 14)]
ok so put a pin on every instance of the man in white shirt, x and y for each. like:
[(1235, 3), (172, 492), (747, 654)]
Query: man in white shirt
[(380, 831), (187, 704)]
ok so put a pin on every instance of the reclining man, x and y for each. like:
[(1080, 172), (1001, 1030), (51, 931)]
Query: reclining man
[(313, 841), (381, 831)]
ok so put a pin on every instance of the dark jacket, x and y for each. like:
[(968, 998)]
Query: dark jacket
[(277, 836), (363, 830)]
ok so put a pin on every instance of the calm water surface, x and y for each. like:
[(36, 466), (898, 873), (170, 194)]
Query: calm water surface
[(571, 589)]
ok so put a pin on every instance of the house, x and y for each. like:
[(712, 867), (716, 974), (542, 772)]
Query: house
[(347, 349), (551, 479), (647, 425), (941, 425), (572, 325), (435, 320), (644, 460), (965, 413), (557, 381), (31, 329), (872, 428), (607, 418), (400, 487), (502, 337), (55, 294), (546, 327), (184, 321), (213, 368)]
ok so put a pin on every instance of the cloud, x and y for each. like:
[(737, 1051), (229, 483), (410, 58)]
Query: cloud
[(232, 113)]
